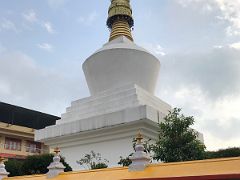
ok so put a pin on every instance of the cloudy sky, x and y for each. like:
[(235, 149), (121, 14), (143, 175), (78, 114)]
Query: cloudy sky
[(44, 43)]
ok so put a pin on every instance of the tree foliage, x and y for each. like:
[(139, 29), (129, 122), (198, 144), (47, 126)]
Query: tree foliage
[(127, 161), (222, 153), (177, 140), (93, 161), (14, 167), (36, 164)]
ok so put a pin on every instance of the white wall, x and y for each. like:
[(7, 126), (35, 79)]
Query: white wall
[(111, 150)]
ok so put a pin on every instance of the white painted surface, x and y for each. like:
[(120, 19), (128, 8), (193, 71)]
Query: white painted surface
[(56, 167), (110, 101), (118, 63), (122, 78), (112, 142), (113, 107), (112, 120), (3, 172)]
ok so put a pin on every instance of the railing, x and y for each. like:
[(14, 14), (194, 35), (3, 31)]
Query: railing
[(13, 147), (18, 148), (33, 150)]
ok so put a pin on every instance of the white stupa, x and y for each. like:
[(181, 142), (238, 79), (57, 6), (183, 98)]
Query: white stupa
[(121, 77)]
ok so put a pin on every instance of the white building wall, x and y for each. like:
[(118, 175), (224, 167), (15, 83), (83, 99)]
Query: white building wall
[(110, 150)]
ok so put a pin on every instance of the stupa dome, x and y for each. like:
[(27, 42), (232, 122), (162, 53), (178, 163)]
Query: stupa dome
[(118, 63)]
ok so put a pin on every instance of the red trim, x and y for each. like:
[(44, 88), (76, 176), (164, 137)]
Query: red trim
[(15, 156), (204, 177)]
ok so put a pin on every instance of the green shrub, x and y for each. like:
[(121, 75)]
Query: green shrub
[(223, 153), (14, 167), (93, 161), (36, 164)]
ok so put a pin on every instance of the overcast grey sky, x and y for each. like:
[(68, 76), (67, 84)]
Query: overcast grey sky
[(44, 43)]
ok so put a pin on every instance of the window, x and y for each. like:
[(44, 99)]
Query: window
[(13, 144), (33, 147)]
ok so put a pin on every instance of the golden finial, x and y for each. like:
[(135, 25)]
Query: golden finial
[(2, 159), (120, 19), (56, 150), (139, 138)]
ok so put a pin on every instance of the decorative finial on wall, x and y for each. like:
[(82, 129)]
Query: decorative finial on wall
[(140, 159), (3, 172), (139, 138), (56, 167)]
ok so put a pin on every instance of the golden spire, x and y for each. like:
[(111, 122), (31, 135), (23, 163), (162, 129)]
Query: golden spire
[(139, 138), (120, 19), (2, 160), (56, 150)]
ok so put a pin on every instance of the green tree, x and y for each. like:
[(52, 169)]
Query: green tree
[(37, 164), (222, 153), (14, 167), (93, 161), (127, 161), (177, 140)]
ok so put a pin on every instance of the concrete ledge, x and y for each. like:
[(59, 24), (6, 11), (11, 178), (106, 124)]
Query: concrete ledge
[(112, 100), (106, 120)]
